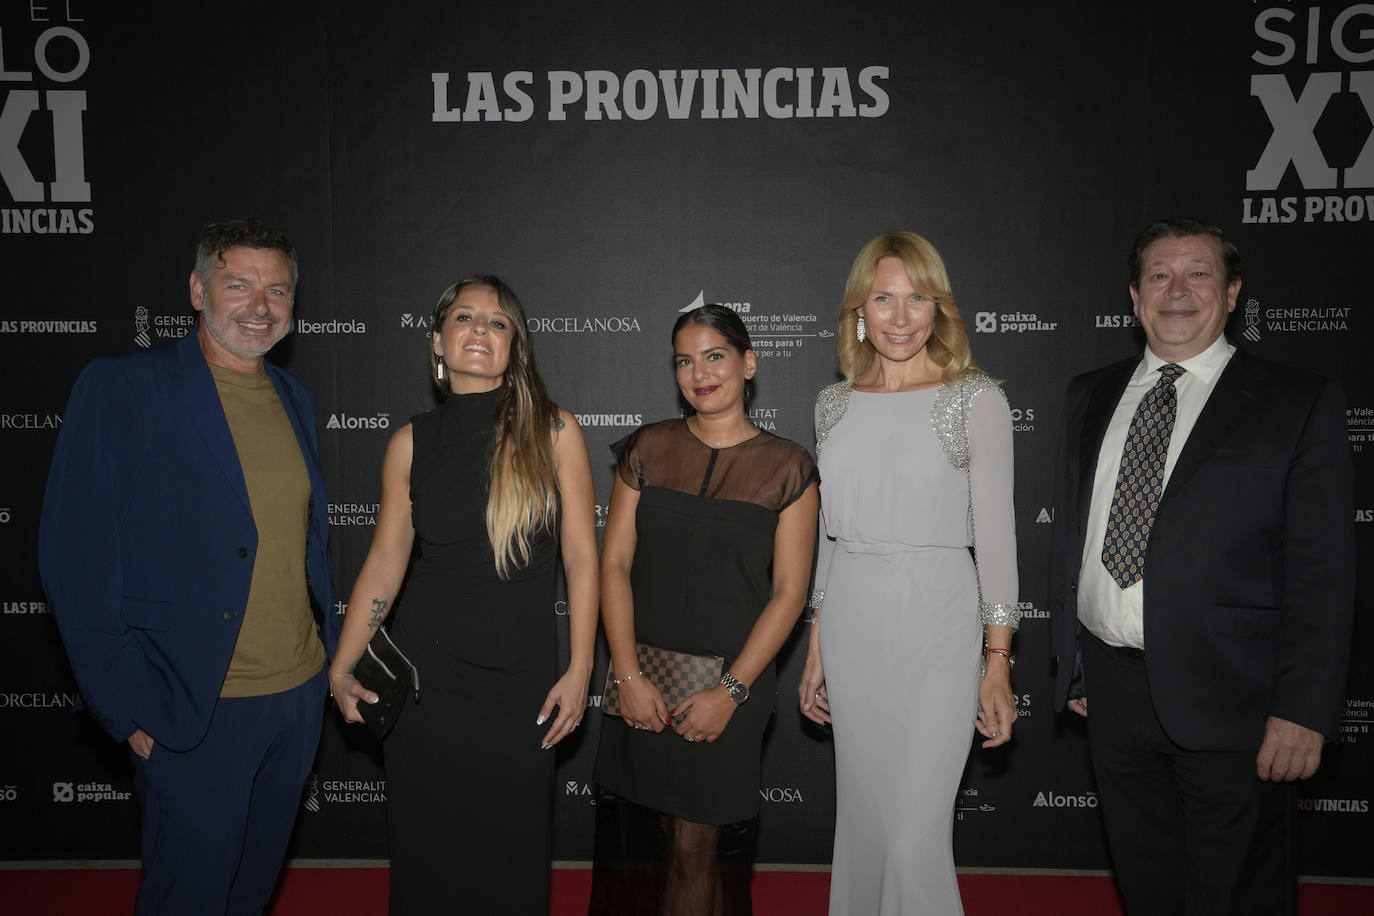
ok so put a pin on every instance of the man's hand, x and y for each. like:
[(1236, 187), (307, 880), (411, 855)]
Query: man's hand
[(1289, 751), (141, 743)]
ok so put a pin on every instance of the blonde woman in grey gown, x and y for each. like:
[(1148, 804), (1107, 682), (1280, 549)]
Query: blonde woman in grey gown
[(915, 454)]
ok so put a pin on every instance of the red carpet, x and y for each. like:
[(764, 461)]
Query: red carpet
[(362, 892)]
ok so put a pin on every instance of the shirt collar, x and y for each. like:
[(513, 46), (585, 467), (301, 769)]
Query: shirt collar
[(1206, 366)]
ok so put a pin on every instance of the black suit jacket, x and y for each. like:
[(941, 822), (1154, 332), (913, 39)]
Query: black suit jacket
[(1250, 567)]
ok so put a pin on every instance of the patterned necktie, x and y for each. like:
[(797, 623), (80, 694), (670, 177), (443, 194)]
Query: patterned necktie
[(1140, 480)]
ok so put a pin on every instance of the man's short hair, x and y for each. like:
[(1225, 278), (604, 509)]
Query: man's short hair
[(240, 232), (1178, 227)]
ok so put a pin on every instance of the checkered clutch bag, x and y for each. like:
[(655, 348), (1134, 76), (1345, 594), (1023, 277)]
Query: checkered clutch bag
[(677, 676)]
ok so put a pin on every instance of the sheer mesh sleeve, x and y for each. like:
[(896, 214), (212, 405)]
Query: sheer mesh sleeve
[(627, 461), (992, 508)]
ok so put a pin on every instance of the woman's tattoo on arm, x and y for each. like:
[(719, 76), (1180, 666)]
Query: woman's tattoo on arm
[(378, 609)]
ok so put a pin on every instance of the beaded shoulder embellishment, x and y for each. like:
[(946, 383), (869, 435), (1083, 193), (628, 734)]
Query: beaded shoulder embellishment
[(831, 404), (949, 414)]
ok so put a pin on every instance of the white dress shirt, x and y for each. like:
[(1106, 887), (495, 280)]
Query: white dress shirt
[(1110, 612)]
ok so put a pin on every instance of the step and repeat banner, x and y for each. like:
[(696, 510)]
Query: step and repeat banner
[(619, 164)]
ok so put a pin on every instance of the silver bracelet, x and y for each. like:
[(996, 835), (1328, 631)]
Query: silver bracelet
[(620, 680)]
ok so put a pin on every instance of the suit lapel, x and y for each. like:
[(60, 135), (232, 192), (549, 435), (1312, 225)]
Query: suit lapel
[(1096, 417), (1238, 392), (201, 405)]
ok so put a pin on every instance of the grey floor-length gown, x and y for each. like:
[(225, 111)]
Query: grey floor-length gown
[(910, 482)]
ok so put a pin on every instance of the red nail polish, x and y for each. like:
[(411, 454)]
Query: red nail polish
[(668, 720)]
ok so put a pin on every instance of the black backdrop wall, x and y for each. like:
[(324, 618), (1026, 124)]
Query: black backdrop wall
[(618, 164)]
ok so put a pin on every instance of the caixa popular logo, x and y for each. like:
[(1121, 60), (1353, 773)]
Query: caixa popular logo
[(351, 421), (77, 793), (43, 74), (782, 795), (1052, 799)]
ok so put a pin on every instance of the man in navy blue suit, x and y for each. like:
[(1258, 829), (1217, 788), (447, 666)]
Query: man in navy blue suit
[(183, 547), (1201, 587)]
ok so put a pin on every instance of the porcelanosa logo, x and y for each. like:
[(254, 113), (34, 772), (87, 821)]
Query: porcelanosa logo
[(150, 329), (772, 334), (1311, 73), (78, 793), (61, 57), (1010, 323), (582, 324), (1295, 320), (37, 700), (782, 795)]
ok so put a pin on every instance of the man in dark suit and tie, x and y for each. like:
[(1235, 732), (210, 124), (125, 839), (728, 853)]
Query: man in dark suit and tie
[(183, 548), (1202, 587)]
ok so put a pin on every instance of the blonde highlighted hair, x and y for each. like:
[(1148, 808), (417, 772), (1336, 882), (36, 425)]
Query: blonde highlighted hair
[(948, 346), (522, 470)]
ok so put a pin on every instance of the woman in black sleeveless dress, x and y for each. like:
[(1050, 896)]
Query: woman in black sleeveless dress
[(469, 776), (702, 510)]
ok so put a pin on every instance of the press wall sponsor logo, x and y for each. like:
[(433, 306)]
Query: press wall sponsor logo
[(1023, 419), (1045, 516), (353, 791), (1359, 425), (30, 420), (969, 802), (4, 515), (782, 795), (352, 421), (773, 334), (9, 793), (45, 74), (1011, 323), (574, 788), (601, 512), (764, 418), (37, 700), (1334, 805), (1022, 701), (1295, 320), (640, 95), (1311, 66), (1030, 612), (613, 420), (56, 326), (1355, 724), (582, 324), (333, 326), (311, 800), (344, 515), (1052, 799), (150, 329), (1115, 321), (78, 793), (22, 608)]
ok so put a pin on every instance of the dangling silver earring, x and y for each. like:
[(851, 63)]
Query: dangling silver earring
[(440, 371), (860, 330)]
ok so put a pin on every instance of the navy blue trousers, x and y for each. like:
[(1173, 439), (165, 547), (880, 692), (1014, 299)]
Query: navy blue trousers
[(217, 818)]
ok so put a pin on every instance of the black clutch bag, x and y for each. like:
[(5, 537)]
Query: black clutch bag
[(677, 675), (385, 671)]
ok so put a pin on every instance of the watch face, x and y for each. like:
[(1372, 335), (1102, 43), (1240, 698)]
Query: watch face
[(738, 692)]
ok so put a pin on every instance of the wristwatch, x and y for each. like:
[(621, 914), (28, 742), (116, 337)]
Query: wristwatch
[(734, 687)]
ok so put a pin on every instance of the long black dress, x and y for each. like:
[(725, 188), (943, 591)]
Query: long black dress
[(701, 576), (469, 791)]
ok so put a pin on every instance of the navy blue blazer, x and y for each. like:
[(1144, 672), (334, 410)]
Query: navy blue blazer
[(1249, 581), (147, 540)]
